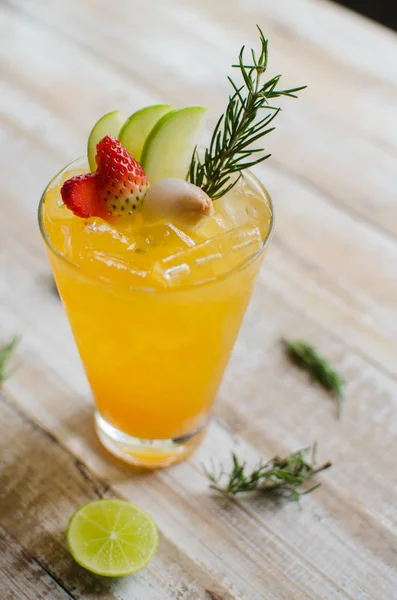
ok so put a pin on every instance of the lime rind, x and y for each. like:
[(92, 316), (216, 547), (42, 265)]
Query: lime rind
[(168, 149), (109, 124), (137, 127), (112, 537)]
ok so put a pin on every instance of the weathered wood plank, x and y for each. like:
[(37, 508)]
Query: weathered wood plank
[(333, 181), (41, 310), (252, 347), (201, 527), (41, 486), (22, 577), (206, 544)]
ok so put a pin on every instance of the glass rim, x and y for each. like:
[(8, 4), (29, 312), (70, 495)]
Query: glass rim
[(177, 288)]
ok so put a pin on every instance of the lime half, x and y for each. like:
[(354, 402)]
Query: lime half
[(112, 537)]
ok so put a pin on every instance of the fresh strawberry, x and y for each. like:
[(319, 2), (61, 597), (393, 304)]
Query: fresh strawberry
[(117, 187), (81, 195), (122, 181)]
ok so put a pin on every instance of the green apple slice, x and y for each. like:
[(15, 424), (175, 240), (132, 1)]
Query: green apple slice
[(168, 149), (109, 124), (137, 127)]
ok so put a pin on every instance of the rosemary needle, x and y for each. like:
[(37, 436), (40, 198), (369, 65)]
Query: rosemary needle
[(320, 370), (5, 354), (282, 476)]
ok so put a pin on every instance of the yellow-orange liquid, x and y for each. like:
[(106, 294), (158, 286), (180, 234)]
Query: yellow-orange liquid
[(154, 307)]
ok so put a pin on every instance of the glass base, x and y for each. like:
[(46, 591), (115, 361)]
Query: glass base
[(150, 454)]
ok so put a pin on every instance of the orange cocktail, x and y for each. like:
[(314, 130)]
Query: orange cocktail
[(155, 243), (155, 308)]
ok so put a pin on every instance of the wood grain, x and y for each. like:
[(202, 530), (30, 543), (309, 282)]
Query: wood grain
[(22, 577), (329, 277), (42, 485)]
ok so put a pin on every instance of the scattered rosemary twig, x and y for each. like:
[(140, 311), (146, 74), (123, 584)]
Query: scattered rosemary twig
[(5, 354), (319, 369), (283, 476), (230, 150)]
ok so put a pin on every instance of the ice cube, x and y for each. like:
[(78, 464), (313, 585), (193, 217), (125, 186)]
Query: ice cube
[(170, 275), (244, 206), (118, 262), (184, 237), (162, 239), (211, 258), (210, 227), (234, 205), (103, 237), (55, 210)]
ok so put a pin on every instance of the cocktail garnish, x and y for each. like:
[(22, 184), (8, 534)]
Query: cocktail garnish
[(230, 151), (173, 197), (122, 181), (116, 188)]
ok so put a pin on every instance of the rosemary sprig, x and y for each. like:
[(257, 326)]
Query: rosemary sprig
[(319, 369), (283, 476), (5, 354), (230, 150)]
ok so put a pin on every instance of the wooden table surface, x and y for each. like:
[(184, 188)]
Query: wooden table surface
[(329, 277)]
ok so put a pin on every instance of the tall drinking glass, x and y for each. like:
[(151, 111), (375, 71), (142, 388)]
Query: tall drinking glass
[(155, 327)]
